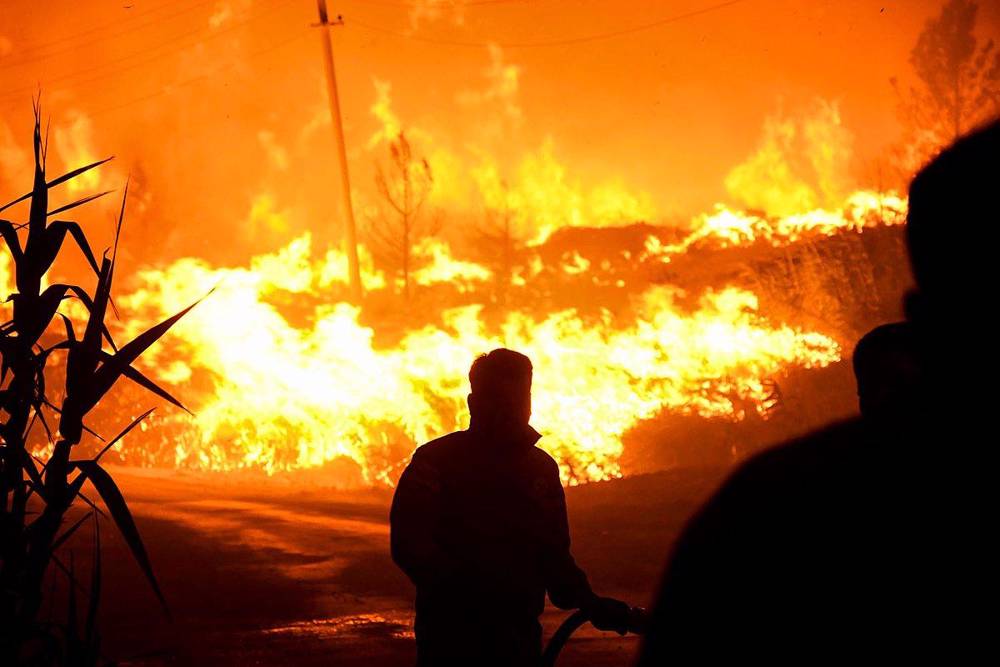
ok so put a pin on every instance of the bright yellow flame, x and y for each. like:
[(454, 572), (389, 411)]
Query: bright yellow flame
[(289, 396), (443, 268), (7, 286), (801, 163), (542, 197), (726, 227), (335, 269), (74, 144)]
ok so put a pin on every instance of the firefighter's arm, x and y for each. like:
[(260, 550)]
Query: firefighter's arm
[(566, 583), (416, 507)]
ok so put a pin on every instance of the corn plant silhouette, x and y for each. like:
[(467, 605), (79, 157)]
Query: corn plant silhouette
[(37, 494)]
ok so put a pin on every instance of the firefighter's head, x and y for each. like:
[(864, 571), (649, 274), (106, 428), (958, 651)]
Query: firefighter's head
[(501, 390), (951, 232), (887, 368)]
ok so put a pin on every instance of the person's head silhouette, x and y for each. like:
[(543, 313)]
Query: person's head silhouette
[(951, 232), (500, 402), (886, 365)]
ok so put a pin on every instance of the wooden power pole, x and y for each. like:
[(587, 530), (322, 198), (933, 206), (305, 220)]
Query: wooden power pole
[(351, 236)]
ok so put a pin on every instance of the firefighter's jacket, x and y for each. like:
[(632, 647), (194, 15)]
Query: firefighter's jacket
[(478, 523)]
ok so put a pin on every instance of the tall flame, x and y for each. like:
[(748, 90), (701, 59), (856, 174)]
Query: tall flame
[(288, 394), (283, 375)]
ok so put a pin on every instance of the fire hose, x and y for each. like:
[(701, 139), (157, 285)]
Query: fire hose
[(636, 625)]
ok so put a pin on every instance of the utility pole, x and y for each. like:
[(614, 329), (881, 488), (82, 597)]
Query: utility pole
[(351, 236)]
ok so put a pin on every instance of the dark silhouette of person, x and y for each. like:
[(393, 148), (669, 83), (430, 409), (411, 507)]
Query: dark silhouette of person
[(887, 369), (478, 523), (855, 544)]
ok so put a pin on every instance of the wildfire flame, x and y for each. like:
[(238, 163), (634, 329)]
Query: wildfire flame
[(275, 392), (286, 394), (283, 375), (726, 227)]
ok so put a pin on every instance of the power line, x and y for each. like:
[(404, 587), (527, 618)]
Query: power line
[(201, 77), (12, 95), (158, 51), (470, 3), (28, 57), (554, 42), (347, 207)]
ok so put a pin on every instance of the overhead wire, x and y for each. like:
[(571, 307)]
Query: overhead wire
[(583, 39), (205, 75), (469, 3), (149, 55), (26, 56), (9, 95)]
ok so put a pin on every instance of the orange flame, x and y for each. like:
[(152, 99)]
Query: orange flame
[(288, 396), (726, 227)]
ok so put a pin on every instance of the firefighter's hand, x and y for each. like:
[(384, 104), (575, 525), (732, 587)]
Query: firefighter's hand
[(608, 614)]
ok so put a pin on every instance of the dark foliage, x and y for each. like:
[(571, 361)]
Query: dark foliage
[(37, 492)]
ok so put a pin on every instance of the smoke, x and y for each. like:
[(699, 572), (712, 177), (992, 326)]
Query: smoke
[(802, 163), (14, 159), (389, 124), (502, 88), (430, 11), (266, 217), (74, 144), (221, 16), (276, 153)]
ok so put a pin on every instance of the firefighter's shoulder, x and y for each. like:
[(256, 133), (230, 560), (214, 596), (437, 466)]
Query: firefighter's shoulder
[(543, 464), (424, 469), (436, 453)]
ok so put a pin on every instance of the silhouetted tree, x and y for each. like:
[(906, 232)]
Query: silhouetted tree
[(958, 82), (500, 243), (403, 186)]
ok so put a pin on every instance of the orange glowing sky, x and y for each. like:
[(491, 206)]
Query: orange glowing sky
[(209, 103)]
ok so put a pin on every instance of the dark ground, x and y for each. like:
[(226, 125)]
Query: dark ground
[(263, 574)]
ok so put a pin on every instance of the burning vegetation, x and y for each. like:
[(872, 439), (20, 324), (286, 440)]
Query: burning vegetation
[(283, 372), (626, 321)]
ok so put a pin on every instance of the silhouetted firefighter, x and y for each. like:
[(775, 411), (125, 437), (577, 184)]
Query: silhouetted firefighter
[(873, 539), (479, 524)]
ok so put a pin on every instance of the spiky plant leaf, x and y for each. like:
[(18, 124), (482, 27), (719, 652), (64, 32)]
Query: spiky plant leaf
[(68, 533), (71, 622), (83, 358), (115, 502), (79, 202), (39, 206), (55, 233), (69, 175), (33, 474), (114, 441), (65, 570), (16, 201), (9, 233), (114, 368), (134, 374), (90, 623)]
